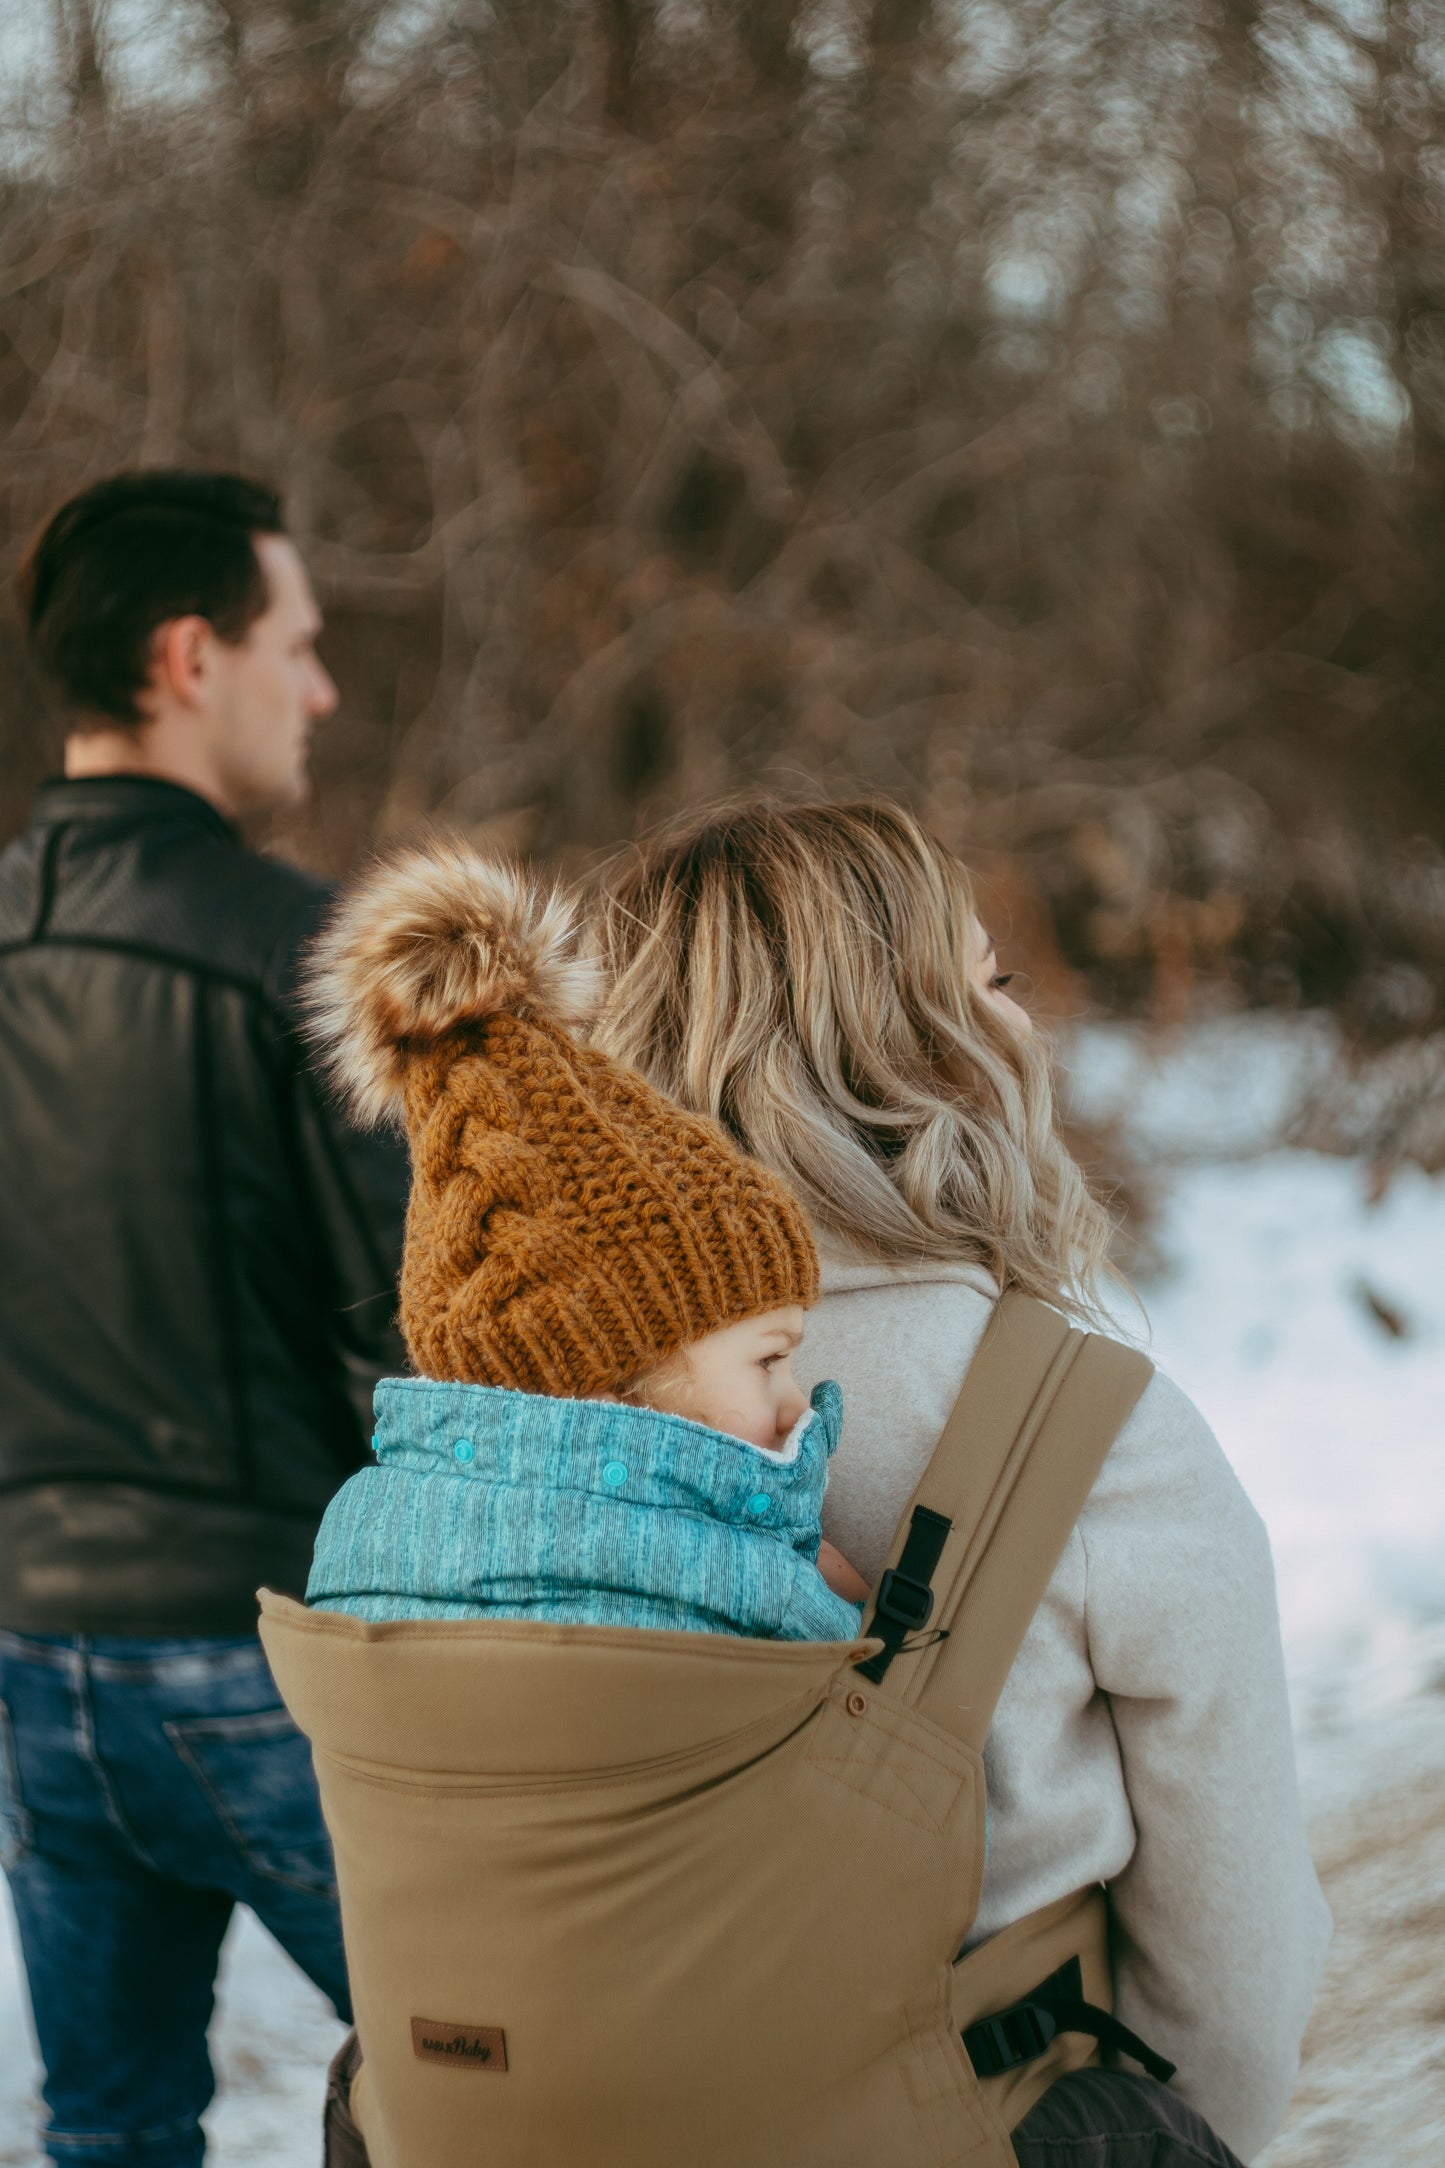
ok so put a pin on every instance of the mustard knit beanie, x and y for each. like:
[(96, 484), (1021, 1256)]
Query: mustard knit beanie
[(568, 1228)]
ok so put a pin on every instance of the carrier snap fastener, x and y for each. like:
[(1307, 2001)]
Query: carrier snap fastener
[(857, 1705), (758, 1504), (614, 1475), (464, 1450)]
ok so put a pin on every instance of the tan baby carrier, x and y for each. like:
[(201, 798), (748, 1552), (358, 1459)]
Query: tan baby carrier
[(631, 1899)]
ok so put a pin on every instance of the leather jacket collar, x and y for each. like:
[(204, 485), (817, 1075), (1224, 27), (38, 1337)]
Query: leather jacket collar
[(131, 800)]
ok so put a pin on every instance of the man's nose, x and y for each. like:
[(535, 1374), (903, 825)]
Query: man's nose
[(323, 696)]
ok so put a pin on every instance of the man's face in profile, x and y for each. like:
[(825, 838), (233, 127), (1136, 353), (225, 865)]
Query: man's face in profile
[(271, 689)]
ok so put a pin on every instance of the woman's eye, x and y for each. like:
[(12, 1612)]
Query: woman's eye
[(1001, 979)]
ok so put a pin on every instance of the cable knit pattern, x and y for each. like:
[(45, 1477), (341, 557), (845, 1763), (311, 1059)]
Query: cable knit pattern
[(489, 1504), (569, 1228)]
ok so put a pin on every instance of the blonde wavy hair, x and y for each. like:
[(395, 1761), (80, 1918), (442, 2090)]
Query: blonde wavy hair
[(805, 974)]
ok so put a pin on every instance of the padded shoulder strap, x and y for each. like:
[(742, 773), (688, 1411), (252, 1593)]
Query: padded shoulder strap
[(1040, 1406)]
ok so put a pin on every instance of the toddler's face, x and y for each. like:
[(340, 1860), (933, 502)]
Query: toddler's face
[(739, 1379)]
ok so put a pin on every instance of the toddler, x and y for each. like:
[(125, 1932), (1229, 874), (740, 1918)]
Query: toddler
[(602, 1297)]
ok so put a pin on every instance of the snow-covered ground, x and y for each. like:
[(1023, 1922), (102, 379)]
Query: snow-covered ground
[(1309, 1325)]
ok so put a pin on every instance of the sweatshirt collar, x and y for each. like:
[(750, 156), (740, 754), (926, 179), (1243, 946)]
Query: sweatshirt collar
[(846, 1271), (137, 800)]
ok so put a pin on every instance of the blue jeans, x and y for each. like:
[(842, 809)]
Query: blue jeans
[(147, 1787)]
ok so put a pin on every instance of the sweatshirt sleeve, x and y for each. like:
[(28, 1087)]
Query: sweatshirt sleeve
[(1220, 1925)]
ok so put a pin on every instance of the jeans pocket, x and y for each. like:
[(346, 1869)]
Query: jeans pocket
[(256, 1773), (14, 1821)]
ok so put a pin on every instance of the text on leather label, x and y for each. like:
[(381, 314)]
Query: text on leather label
[(464, 2047)]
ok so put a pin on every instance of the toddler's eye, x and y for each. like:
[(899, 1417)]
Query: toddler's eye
[(766, 1362), (1001, 979)]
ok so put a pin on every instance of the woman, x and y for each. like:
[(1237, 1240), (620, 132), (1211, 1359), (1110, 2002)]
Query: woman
[(817, 978)]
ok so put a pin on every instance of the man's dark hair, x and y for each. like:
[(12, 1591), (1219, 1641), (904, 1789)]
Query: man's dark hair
[(128, 555)]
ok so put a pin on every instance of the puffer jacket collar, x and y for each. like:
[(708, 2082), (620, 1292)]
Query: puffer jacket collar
[(607, 1450), (503, 1505)]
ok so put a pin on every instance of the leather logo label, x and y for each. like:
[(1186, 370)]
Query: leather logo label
[(465, 2047)]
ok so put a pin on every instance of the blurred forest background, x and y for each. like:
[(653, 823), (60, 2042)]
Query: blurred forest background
[(1034, 408)]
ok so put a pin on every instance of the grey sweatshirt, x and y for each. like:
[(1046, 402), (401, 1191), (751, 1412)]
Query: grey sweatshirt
[(1143, 1735)]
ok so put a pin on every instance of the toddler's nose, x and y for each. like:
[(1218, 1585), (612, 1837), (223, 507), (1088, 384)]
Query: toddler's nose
[(791, 1406)]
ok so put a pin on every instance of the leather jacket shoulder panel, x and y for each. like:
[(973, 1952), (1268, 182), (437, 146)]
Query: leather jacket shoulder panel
[(166, 876)]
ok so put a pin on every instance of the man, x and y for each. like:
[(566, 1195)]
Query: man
[(196, 1287)]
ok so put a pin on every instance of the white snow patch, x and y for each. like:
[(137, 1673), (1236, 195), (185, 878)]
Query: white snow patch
[(1217, 1090), (1334, 1426)]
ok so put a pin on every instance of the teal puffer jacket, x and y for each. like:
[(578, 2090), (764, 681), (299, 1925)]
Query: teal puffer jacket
[(492, 1504)]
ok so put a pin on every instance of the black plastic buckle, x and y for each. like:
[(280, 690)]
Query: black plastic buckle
[(913, 1609), (1013, 2037)]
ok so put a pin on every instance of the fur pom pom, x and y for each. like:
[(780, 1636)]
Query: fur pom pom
[(429, 940)]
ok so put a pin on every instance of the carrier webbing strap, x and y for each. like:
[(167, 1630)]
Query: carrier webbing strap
[(1021, 2033), (904, 1601), (1040, 1406)]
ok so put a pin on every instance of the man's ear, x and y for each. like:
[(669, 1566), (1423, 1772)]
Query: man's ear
[(182, 661)]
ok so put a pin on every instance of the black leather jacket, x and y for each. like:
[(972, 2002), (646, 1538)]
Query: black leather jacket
[(197, 1257)]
